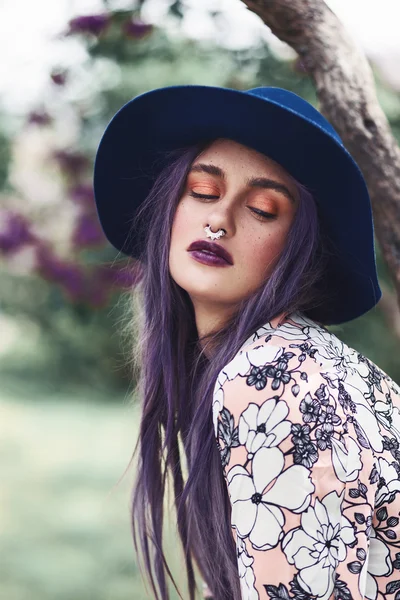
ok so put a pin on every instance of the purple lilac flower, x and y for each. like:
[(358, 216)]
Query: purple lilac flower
[(82, 194), (73, 163), (39, 117), (136, 29), (59, 77), (68, 275), (94, 24), (87, 231), (15, 234)]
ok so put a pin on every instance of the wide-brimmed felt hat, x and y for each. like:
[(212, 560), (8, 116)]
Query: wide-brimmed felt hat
[(273, 121)]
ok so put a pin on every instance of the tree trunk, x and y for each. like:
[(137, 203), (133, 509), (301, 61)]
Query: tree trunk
[(346, 91)]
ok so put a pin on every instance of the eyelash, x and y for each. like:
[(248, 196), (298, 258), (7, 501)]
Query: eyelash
[(262, 214)]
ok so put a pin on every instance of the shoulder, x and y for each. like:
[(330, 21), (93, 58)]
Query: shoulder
[(300, 345), (297, 345), (275, 362), (302, 362)]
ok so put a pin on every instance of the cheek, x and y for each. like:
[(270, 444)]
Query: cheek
[(180, 223), (264, 247), (263, 252)]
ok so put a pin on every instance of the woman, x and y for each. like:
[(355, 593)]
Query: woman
[(252, 226)]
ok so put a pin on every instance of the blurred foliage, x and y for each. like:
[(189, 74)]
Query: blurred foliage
[(75, 301), (5, 157), (62, 345)]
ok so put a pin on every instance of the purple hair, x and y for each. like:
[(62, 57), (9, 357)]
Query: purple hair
[(176, 384)]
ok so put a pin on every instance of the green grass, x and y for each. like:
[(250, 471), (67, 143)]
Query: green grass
[(64, 515)]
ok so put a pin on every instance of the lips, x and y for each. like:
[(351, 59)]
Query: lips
[(212, 247)]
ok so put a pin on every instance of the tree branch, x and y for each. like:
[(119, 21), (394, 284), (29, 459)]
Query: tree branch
[(346, 91)]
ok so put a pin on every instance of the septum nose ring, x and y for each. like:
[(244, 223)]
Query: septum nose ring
[(212, 235)]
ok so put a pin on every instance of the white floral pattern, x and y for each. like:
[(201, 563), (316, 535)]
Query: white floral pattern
[(319, 544), (263, 426), (308, 430), (246, 572), (258, 515)]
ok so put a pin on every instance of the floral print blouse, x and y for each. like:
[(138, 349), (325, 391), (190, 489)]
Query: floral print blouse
[(308, 431)]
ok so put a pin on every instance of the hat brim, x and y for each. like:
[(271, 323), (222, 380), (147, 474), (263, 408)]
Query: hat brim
[(128, 160)]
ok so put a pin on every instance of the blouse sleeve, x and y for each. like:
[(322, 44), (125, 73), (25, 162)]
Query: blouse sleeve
[(296, 478)]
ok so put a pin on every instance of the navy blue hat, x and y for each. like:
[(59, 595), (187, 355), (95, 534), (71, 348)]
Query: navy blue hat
[(273, 121)]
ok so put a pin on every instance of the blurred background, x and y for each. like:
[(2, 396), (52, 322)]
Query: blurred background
[(68, 424)]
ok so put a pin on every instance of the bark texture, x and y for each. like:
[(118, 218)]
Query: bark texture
[(347, 95)]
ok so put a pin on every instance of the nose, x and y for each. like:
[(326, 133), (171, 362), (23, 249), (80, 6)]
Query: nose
[(221, 216)]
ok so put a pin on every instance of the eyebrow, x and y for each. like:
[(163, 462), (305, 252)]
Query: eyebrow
[(257, 182)]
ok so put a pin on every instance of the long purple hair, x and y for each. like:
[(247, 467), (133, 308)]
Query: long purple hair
[(176, 382)]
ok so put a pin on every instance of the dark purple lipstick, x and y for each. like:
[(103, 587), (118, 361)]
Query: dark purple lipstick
[(210, 253)]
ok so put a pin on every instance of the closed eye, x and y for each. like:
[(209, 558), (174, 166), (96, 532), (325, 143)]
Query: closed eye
[(263, 214), (196, 195), (256, 211)]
